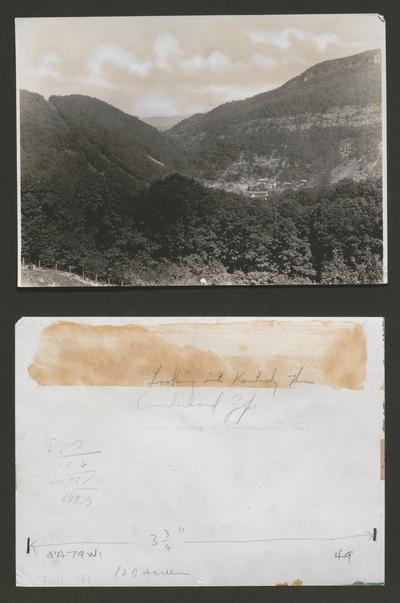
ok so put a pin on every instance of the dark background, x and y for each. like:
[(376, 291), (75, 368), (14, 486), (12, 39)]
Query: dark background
[(194, 301)]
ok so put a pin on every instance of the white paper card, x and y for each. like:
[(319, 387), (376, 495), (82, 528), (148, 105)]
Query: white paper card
[(197, 452)]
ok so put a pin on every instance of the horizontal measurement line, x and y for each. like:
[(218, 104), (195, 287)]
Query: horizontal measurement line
[(370, 535), (82, 542), (274, 540)]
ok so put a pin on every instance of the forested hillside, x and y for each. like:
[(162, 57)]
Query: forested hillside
[(70, 137), (179, 232), (317, 128), (82, 161)]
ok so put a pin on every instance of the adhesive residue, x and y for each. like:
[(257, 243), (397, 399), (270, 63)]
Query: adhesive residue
[(259, 353)]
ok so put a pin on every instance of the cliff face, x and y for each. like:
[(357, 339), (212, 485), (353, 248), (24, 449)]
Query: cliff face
[(317, 128)]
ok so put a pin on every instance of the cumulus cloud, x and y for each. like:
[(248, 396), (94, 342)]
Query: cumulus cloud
[(277, 37), (325, 39), (260, 60), (294, 59), (284, 38), (179, 65), (166, 48), (217, 62), (117, 55), (47, 66), (50, 66), (97, 80)]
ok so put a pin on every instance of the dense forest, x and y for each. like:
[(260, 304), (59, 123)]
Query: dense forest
[(178, 231)]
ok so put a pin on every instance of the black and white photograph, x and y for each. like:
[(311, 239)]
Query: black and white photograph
[(201, 150)]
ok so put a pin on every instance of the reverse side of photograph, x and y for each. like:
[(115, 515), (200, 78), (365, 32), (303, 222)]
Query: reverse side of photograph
[(194, 452), (201, 150)]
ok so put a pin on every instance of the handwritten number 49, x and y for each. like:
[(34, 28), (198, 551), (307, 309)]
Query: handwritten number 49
[(341, 554)]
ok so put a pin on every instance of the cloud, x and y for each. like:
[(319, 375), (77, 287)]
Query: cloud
[(217, 62), (325, 39), (109, 52), (179, 65), (47, 68), (276, 37), (284, 38), (260, 60), (97, 80), (166, 47), (294, 59), (117, 55)]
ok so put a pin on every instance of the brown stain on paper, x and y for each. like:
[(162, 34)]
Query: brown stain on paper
[(296, 582), (207, 354)]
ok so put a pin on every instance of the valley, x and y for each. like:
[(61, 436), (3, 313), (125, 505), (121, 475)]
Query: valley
[(253, 191)]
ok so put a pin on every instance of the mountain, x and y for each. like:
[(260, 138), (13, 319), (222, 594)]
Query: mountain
[(162, 122), (318, 128), (71, 137), (82, 163)]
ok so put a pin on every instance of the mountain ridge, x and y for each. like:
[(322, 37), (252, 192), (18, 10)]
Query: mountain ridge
[(314, 127), (350, 60), (254, 147)]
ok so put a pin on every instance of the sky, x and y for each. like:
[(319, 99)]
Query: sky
[(151, 66)]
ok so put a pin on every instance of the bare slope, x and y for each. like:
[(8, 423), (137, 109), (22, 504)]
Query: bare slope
[(46, 277)]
